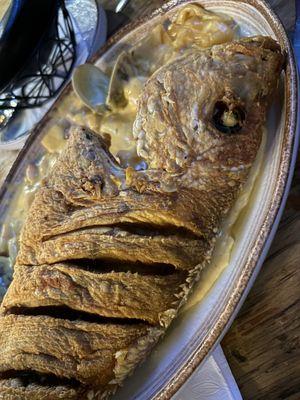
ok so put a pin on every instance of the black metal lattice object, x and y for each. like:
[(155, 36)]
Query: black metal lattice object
[(49, 66)]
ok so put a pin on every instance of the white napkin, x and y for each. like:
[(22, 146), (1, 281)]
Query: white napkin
[(212, 380)]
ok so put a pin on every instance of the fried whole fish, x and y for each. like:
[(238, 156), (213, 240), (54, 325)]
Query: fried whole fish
[(108, 255)]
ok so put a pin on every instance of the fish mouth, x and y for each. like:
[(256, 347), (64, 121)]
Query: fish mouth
[(261, 47), (263, 42), (256, 44)]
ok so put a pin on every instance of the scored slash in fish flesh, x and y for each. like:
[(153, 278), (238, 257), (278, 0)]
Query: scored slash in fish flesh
[(108, 255)]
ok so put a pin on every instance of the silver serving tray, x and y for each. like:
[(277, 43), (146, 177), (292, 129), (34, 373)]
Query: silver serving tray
[(195, 332)]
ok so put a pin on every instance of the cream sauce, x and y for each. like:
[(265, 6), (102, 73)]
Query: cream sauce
[(227, 238), (194, 26)]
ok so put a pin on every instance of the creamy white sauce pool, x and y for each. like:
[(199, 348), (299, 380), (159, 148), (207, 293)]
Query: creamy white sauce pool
[(228, 235)]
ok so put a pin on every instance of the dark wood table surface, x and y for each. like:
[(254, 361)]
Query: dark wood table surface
[(263, 344)]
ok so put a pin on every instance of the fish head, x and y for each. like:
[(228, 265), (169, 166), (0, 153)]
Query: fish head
[(208, 107)]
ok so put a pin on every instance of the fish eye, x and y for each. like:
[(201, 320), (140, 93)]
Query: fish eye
[(228, 119)]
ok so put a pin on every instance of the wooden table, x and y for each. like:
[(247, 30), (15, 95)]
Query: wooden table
[(263, 344)]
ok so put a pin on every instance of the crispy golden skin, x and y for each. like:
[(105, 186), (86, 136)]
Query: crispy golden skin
[(118, 294), (108, 255)]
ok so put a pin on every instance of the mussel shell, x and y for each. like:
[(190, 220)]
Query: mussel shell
[(92, 86)]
